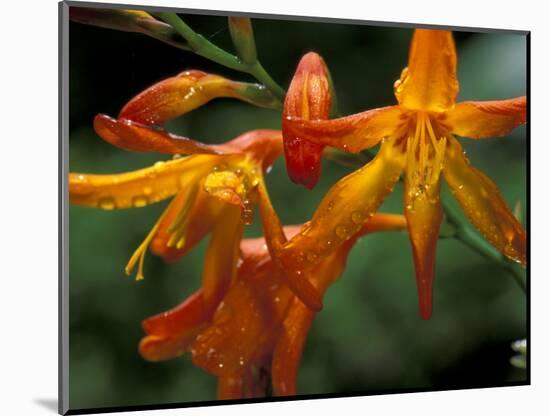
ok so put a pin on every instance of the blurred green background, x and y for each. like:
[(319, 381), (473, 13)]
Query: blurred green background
[(369, 336)]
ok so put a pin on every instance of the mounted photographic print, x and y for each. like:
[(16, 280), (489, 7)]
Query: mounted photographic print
[(267, 208)]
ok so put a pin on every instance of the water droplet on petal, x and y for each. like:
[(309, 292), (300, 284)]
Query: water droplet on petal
[(107, 203), (139, 201), (312, 257), (341, 231), (357, 217)]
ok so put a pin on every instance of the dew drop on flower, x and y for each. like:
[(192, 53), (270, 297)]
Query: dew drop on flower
[(139, 201), (341, 231), (107, 203), (357, 217), (312, 257)]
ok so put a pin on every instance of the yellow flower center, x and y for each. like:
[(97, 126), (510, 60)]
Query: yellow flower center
[(425, 149)]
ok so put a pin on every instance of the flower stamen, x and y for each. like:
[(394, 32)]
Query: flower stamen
[(139, 254), (179, 225)]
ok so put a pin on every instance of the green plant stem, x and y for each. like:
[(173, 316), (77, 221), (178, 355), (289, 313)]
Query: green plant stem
[(258, 71), (203, 47)]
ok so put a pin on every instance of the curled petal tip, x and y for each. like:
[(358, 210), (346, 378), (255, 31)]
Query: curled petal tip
[(426, 311), (425, 294)]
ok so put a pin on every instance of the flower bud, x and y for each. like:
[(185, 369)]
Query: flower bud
[(186, 91), (243, 38), (308, 98)]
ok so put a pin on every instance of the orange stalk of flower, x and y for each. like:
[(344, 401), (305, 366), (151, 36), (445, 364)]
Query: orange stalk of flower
[(418, 137), (259, 328)]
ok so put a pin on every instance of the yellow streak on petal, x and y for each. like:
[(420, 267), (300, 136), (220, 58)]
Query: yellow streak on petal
[(138, 188)]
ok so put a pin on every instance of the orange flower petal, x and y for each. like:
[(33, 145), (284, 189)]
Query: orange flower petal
[(171, 97), (236, 334), (154, 348), (429, 82), (135, 189), (424, 215), (347, 206), (352, 133), (484, 119), (230, 387), (290, 344), (483, 205), (264, 146), (131, 135), (187, 315), (309, 98), (289, 348), (170, 333), (275, 238), (220, 263)]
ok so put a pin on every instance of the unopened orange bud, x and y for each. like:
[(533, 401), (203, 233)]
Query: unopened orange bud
[(309, 98)]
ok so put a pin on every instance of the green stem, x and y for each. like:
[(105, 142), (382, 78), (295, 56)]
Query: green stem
[(258, 71), (203, 47)]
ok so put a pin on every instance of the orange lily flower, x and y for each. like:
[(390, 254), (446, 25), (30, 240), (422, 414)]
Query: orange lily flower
[(258, 329), (215, 189), (418, 136)]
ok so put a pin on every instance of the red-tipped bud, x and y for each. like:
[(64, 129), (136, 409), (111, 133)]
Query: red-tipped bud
[(309, 98)]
